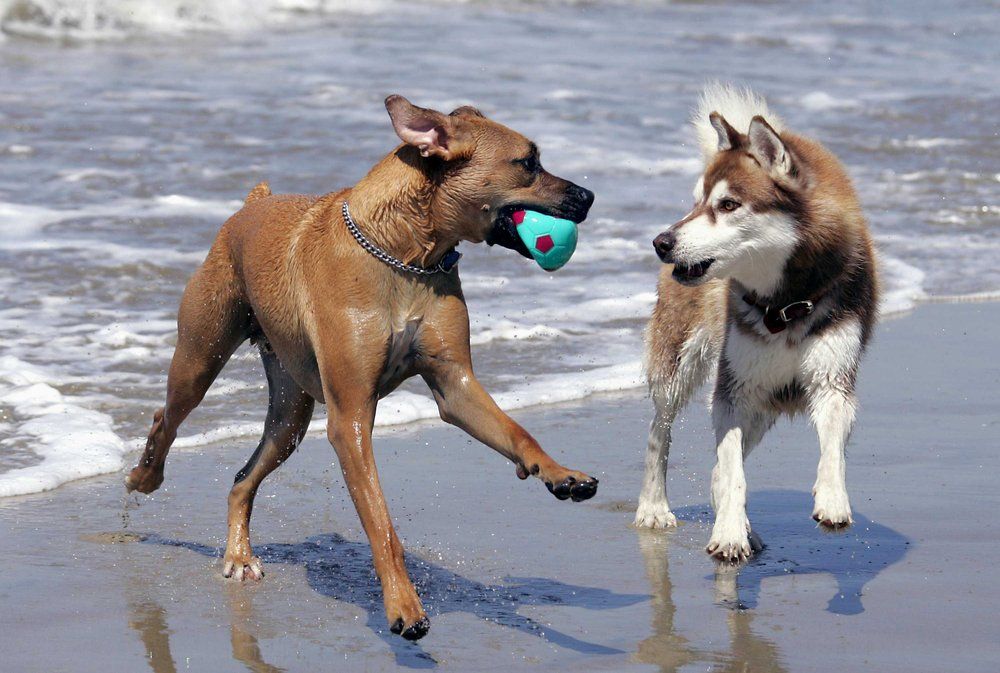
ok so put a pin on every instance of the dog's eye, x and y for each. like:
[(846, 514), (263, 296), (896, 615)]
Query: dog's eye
[(728, 205), (530, 164)]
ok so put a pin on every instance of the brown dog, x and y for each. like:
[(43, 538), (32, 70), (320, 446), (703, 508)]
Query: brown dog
[(343, 314)]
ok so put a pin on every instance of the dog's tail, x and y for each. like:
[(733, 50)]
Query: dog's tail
[(259, 192), (737, 105)]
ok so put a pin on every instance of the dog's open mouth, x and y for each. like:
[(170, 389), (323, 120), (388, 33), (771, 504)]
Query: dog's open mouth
[(691, 272), (504, 231)]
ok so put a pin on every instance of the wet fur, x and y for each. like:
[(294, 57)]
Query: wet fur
[(338, 326), (820, 250)]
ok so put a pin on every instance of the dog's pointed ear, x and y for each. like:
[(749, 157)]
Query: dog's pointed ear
[(433, 133), (729, 137), (768, 149)]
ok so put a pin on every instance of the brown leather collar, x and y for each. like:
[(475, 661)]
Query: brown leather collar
[(777, 319)]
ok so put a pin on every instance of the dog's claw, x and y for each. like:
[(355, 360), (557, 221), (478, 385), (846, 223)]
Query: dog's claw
[(418, 630), (583, 490), (560, 490), (830, 524), (731, 553), (251, 570), (570, 488), (414, 631)]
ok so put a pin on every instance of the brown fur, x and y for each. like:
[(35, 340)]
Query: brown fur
[(765, 365), (835, 258), (337, 325)]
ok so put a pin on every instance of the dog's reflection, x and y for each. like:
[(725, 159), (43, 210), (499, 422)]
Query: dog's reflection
[(342, 570), (244, 643), (669, 650), (148, 618)]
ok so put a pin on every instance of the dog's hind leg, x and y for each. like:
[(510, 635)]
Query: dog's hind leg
[(671, 392), (289, 411), (212, 322)]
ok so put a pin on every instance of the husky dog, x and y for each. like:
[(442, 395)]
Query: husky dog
[(770, 284)]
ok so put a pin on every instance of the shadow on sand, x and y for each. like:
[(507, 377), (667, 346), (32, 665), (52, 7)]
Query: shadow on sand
[(854, 557), (341, 569), (794, 545)]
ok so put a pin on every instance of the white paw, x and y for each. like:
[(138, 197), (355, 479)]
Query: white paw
[(832, 508), (730, 540), (654, 515)]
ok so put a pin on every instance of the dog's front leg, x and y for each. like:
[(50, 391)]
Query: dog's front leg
[(737, 432), (833, 415), (463, 402), (349, 429), (828, 371)]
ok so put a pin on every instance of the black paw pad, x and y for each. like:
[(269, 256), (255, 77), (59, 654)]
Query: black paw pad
[(583, 490), (562, 489), (418, 630)]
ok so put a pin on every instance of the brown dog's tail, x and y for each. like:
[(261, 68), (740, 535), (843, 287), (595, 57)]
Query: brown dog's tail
[(259, 192)]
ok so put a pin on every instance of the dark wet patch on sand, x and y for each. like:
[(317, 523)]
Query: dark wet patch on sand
[(117, 537), (618, 506)]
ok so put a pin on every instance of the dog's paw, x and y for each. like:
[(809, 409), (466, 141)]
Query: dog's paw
[(249, 568), (654, 515), (143, 479), (576, 487), (832, 509), (731, 541), (406, 616), (414, 631)]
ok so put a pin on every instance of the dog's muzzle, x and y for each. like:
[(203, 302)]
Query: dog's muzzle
[(574, 206), (504, 233)]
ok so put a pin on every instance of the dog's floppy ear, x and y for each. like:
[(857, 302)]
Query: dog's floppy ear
[(466, 110), (728, 136), (433, 133), (768, 149)]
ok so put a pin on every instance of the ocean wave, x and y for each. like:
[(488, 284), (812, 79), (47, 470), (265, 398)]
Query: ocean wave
[(507, 330), (103, 20), (818, 101), (21, 219), (72, 440), (902, 285), (403, 407), (925, 143)]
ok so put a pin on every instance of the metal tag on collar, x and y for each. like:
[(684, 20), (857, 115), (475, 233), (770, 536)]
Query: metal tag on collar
[(805, 306), (447, 264)]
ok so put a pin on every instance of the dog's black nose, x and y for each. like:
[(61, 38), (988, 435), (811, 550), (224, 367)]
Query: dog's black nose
[(664, 245), (584, 195)]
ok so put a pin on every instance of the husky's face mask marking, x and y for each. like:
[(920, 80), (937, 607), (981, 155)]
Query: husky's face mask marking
[(743, 224)]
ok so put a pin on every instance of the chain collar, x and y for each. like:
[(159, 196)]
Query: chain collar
[(446, 264)]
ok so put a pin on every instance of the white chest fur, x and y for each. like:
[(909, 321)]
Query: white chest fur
[(759, 368)]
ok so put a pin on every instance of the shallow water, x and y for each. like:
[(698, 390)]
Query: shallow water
[(129, 132)]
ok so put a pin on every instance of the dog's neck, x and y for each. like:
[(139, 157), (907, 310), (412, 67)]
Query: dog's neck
[(808, 274), (394, 206)]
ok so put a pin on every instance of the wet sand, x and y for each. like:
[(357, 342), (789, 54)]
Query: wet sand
[(513, 579)]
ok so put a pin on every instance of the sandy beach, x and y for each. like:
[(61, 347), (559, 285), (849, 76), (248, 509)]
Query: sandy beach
[(515, 580), (130, 130)]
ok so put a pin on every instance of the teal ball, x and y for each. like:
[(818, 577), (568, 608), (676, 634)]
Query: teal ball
[(550, 240)]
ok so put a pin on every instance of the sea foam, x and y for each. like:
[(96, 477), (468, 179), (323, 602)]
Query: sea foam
[(72, 441)]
